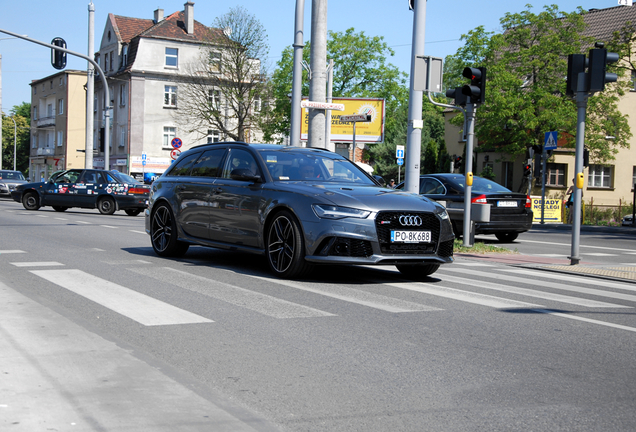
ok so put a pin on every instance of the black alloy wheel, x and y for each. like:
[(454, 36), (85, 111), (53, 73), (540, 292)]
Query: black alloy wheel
[(163, 233), (106, 205), (507, 237), (285, 247), (417, 271), (31, 201), (133, 212)]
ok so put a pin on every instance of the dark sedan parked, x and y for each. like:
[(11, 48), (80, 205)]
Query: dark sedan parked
[(299, 207), (107, 191), (9, 180), (510, 212)]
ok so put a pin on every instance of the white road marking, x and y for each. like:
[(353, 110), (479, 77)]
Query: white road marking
[(257, 302), (42, 216), (98, 250), (356, 296), (573, 279), (532, 293), (559, 286), (465, 296), (11, 251), (470, 263), (550, 255), (109, 226), (82, 222), (588, 320), (37, 264), (60, 218), (129, 303), (138, 232), (599, 254)]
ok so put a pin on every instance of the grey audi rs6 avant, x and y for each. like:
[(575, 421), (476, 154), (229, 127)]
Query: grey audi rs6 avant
[(298, 207)]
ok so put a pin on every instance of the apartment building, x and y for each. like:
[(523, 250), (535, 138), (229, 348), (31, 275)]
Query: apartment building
[(58, 123)]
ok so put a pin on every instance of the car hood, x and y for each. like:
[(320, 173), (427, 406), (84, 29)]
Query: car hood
[(13, 182), (372, 198)]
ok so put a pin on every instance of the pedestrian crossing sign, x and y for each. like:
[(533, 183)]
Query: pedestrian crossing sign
[(550, 142)]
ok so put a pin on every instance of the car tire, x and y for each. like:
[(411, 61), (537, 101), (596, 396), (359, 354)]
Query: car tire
[(417, 271), (60, 209), (507, 237), (133, 212), (106, 206), (163, 233), (285, 247), (31, 201)]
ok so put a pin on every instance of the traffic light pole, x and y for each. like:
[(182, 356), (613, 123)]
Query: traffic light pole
[(581, 106), (471, 109), (544, 157), (101, 75)]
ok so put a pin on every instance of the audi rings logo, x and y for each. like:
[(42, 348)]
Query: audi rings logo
[(410, 220)]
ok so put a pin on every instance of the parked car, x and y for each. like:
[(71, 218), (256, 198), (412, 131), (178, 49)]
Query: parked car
[(510, 212), (300, 207), (9, 180), (107, 191), (628, 220)]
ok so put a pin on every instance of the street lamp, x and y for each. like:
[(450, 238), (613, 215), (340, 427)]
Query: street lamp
[(15, 130)]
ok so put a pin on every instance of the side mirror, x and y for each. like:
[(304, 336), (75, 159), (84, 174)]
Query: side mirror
[(380, 180)]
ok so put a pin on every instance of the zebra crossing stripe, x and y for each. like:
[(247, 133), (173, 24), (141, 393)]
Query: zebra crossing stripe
[(129, 303)]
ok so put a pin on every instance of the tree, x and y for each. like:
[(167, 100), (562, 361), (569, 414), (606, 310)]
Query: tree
[(22, 116), (525, 95), (360, 70), (225, 89)]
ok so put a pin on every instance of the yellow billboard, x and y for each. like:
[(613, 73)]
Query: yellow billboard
[(551, 211), (342, 132)]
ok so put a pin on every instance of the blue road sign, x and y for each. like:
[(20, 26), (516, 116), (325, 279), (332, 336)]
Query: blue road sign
[(176, 143), (400, 154), (143, 156), (550, 142), (400, 161), (143, 162)]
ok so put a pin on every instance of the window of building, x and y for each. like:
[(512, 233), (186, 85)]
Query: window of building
[(106, 64), (122, 136), (169, 133), (214, 98), (122, 95), (257, 103), (124, 56), (61, 81), (172, 57), (213, 136), (35, 90), (51, 84), (49, 110), (600, 176), (556, 174), (35, 113), (60, 138), (633, 176), (215, 61), (34, 141), (507, 174), (60, 106), (170, 96), (112, 66), (633, 81), (95, 104)]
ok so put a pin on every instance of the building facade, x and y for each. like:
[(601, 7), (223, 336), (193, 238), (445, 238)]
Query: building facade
[(58, 123)]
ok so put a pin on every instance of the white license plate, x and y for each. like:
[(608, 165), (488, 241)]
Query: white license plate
[(410, 236), (506, 203)]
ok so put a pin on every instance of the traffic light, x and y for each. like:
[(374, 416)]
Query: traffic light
[(58, 58), (599, 58), (576, 65), (477, 87), (527, 170), (456, 93), (586, 157), (457, 162)]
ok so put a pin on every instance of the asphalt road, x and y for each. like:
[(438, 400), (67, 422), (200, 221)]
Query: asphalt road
[(98, 333)]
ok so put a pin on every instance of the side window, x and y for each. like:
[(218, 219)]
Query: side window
[(183, 165), (109, 179), (209, 164), (240, 159)]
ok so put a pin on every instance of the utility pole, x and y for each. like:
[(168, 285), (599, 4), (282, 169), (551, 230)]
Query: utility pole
[(0, 111), (297, 79), (90, 89), (330, 146), (414, 134), (317, 85)]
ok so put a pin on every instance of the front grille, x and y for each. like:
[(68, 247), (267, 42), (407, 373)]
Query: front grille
[(387, 221), (340, 246), (445, 249)]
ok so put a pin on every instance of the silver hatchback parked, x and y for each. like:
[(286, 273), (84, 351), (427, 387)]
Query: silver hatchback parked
[(299, 207)]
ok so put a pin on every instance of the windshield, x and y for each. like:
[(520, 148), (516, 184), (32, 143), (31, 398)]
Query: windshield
[(302, 166), (11, 175), (480, 185), (125, 178)]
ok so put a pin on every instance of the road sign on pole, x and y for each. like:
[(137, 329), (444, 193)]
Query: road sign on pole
[(550, 142), (399, 151), (176, 143), (400, 161), (322, 105), (174, 154)]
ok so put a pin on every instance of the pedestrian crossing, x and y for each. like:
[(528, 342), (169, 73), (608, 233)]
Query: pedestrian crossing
[(487, 285)]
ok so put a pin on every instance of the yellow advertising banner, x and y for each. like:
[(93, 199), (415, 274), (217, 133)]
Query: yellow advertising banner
[(551, 211), (369, 132)]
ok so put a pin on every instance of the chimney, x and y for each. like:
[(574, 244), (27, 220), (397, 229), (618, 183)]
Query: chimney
[(189, 17), (158, 15)]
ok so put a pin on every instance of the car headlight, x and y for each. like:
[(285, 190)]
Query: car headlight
[(3, 185), (443, 214), (336, 212)]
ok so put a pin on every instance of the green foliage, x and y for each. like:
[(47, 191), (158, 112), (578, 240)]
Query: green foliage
[(525, 95), (22, 116), (488, 173)]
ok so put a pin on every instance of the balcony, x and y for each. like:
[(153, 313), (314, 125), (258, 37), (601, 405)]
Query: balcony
[(44, 122), (45, 152)]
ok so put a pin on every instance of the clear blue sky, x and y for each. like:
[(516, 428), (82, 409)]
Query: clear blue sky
[(43, 20)]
